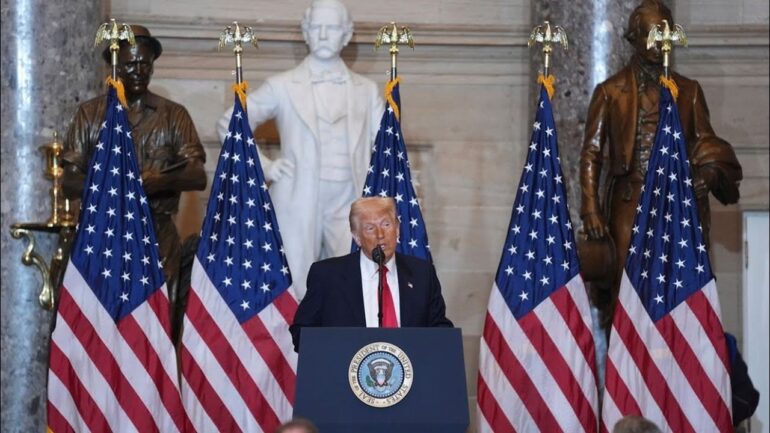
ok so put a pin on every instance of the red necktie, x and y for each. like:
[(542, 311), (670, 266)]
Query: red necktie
[(389, 319)]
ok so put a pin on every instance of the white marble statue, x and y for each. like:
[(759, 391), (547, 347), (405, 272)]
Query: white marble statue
[(327, 117)]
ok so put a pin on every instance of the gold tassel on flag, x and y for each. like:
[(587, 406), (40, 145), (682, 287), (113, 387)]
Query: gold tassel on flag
[(389, 96), (671, 85), (118, 85), (547, 83), (240, 90)]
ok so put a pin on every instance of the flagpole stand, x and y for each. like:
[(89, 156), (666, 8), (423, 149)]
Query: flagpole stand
[(667, 38), (395, 36), (237, 36), (50, 271), (547, 35)]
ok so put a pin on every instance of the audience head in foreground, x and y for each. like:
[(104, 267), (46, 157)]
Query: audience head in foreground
[(635, 424), (297, 425)]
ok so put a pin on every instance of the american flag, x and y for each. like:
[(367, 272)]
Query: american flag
[(537, 367), (112, 364), (389, 176), (667, 358), (238, 362)]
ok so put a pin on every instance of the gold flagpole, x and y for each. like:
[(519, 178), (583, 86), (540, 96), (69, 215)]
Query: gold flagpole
[(393, 35), (547, 35), (237, 36)]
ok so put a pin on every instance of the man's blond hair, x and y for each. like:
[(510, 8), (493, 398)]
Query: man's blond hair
[(359, 204)]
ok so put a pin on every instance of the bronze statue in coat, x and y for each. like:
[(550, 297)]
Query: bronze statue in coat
[(619, 134)]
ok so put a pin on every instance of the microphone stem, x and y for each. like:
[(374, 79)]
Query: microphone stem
[(379, 296)]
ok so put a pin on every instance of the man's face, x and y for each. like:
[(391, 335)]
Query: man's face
[(326, 34), (648, 19), (376, 225), (135, 68)]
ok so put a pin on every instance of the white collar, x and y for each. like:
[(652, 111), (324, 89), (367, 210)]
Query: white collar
[(369, 268)]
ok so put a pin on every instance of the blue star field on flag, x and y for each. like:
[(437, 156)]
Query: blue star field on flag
[(389, 176), (115, 248), (240, 247), (667, 260), (539, 255)]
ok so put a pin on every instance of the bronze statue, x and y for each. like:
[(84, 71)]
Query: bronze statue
[(168, 150), (620, 131)]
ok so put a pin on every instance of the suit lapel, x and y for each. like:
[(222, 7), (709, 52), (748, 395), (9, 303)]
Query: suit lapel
[(300, 92), (404, 293), (354, 287)]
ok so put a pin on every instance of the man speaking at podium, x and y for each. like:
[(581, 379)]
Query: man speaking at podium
[(345, 291)]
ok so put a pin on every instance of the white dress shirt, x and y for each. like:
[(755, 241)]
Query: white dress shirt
[(369, 281)]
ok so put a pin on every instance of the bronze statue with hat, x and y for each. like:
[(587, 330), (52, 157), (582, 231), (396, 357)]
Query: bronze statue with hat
[(168, 150), (620, 131)]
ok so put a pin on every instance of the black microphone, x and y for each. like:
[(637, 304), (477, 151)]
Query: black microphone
[(378, 255)]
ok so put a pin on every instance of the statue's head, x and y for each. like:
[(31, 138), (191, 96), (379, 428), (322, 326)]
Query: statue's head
[(646, 15), (327, 28), (135, 62)]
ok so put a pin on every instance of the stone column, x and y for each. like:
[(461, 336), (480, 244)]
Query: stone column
[(49, 66), (596, 50)]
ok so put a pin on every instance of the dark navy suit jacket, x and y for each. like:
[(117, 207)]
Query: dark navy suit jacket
[(335, 295)]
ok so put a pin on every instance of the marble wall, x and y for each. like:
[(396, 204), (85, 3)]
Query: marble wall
[(49, 65), (466, 96)]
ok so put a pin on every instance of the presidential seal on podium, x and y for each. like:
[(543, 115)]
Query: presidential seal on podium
[(380, 374)]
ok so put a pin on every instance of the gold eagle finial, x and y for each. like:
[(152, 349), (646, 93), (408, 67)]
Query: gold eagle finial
[(113, 32), (395, 36), (666, 37), (548, 35), (237, 36)]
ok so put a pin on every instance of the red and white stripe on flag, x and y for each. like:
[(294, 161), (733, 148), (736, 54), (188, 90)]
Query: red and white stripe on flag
[(107, 377), (236, 377), (536, 374), (674, 371)]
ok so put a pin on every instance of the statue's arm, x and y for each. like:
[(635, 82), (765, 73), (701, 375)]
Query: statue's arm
[(262, 104), (190, 175), (75, 156), (701, 114), (715, 165), (591, 153)]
